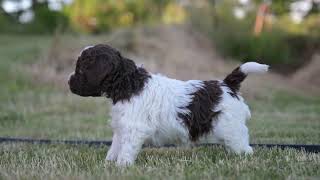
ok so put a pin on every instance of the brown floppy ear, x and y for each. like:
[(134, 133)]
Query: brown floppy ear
[(99, 69)]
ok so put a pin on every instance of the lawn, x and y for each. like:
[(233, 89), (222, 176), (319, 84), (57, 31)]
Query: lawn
[(31, 109)]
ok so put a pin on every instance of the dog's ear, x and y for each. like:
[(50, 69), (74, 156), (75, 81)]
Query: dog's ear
[(104, 65), (97, 70)]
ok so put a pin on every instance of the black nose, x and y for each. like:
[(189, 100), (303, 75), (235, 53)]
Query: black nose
[(71, 82), (70, 77)]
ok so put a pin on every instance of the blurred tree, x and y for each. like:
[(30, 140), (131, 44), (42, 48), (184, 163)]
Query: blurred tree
[(284, 43), (45, 19), (87, 16), (4, 16), (281, 7), (104, 15), (41, 19), (173, 13), (277, 6)]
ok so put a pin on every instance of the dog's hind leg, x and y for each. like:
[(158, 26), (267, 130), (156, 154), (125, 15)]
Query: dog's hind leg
[(238, 142), (234, 135)]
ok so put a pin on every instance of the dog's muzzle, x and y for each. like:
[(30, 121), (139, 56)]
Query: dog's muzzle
[(79, 86)]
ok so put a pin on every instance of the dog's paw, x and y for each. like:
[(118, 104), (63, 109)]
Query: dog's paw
[(111, 157), (248, 150), (123, 162), (244, 150)]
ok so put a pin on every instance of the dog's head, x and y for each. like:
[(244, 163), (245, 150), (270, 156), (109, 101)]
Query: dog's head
[(101, 70), (94, 65)]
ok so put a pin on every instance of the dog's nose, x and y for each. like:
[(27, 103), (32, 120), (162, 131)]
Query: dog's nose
[(70, 75)]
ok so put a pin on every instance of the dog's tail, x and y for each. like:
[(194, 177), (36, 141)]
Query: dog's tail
[(234, 79)]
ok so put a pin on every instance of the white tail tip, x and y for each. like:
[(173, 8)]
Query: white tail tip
[(253, 67)]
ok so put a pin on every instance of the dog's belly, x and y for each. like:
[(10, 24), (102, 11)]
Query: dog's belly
[(161, 138), (173, 132)]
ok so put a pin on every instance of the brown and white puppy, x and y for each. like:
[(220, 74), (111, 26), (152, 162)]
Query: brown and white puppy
[(154, 109)]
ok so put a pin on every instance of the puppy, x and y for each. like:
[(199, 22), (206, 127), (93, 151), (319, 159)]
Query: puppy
[(154, 109)]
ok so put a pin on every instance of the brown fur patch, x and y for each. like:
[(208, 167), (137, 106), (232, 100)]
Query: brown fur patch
[(125, 81), (234, 80), (199, 120)]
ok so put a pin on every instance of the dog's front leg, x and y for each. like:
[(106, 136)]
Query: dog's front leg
[(132, 140), (115, 147)]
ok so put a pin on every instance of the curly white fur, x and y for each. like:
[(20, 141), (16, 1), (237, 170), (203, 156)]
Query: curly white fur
[(253, 67)]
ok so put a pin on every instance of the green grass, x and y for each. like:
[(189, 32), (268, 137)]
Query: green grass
[(70, 162), (30, 109), (285, 118)]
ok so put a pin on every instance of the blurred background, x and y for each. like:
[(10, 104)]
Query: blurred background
[(184, 39)]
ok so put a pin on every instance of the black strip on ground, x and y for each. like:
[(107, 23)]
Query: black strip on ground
[(301, 147)]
